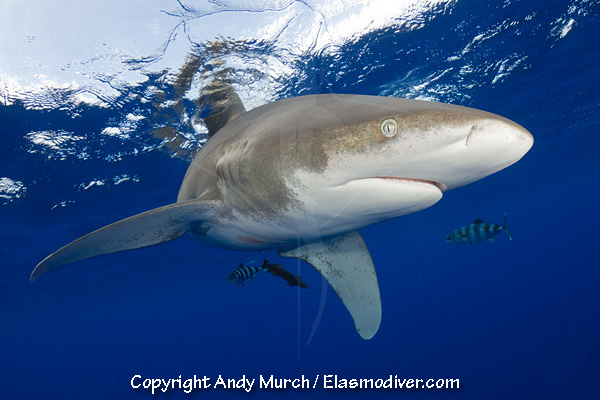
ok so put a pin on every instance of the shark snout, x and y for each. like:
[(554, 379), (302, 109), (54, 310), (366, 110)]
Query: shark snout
[(500, 133), (486, 146)]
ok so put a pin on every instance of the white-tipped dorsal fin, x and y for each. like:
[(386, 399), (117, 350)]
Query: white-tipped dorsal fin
[(346, 264), (149, 228)]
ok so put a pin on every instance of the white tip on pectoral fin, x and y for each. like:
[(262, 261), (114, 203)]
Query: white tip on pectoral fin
[(152, 227), (346, 264)]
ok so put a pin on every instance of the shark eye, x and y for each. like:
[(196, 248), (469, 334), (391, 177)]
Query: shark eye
[(389, 127)]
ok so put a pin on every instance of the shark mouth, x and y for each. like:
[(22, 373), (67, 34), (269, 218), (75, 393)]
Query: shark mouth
[(441, 186)]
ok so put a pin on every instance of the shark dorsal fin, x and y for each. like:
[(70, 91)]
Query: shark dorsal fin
[(478, 221), (225, 105)]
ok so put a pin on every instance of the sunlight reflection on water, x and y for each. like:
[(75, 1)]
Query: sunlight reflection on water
[(139, 73)]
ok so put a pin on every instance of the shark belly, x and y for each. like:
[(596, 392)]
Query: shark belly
[(317, 216)]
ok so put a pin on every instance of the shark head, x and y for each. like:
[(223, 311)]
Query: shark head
[(319, 166), (445, 145), (368, 158)]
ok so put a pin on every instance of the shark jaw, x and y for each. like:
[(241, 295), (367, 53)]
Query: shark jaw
[(441, 186)]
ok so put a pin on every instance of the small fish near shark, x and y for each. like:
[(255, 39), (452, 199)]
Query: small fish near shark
[(301, 175), (477, 231), (246, 272), (243, 273), (278, 271)]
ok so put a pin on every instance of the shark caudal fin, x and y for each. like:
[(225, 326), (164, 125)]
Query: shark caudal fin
[(149, 228), (346, 264), (505, 227)]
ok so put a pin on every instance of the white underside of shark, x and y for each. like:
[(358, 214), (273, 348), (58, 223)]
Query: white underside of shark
[(302, 175)]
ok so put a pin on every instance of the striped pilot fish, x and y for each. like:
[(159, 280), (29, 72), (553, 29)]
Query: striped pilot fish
[(476, 232), (242, 273)]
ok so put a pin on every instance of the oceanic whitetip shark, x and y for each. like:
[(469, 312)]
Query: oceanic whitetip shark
[(302, 175)]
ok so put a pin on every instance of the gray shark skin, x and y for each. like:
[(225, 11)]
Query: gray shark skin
[(302, 175)]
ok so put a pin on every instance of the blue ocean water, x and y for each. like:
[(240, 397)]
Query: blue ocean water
[(513, 319)]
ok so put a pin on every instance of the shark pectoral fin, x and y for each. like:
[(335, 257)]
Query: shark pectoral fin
[(146, 229), (346, 264)]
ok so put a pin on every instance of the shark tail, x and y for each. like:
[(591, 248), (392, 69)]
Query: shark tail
[(505, 227), (146, 229)]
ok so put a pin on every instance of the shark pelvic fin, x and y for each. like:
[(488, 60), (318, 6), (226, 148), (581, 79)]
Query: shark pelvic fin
[(146, 229), (346, 264)]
